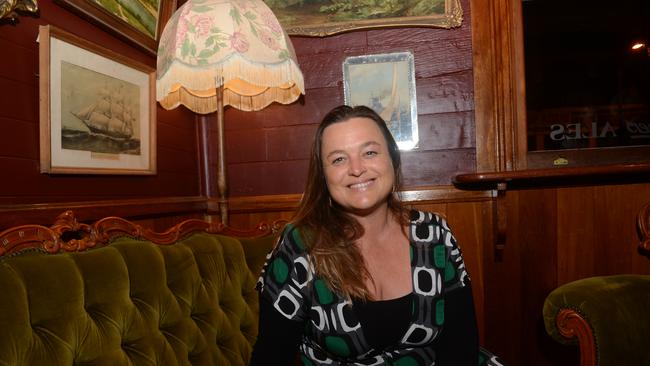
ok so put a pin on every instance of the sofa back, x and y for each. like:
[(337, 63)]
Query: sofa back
[(191, 301)]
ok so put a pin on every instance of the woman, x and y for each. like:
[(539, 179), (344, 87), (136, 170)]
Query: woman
[(357, 279)]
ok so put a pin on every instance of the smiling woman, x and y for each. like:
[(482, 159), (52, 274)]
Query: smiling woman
[(354, 253)]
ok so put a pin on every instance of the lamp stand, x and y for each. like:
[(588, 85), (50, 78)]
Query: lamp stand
[(222, 179)]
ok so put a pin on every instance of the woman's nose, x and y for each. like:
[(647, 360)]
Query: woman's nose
[(356, 167)]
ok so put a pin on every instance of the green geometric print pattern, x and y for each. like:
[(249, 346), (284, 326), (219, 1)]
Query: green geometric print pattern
[(333, 334)]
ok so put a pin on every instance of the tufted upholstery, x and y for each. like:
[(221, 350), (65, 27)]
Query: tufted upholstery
[(133, 303)]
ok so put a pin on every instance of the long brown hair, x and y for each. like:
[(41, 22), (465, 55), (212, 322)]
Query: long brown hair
[(330, 233)]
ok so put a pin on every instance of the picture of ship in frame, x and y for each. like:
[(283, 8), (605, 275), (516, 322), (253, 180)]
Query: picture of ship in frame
[(100, 113)]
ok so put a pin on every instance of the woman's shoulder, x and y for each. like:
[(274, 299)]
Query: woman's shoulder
[(430, 228), (292, 240), (418, 217)]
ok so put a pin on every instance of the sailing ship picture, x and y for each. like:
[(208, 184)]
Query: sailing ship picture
[(100, 113), (385, 83)]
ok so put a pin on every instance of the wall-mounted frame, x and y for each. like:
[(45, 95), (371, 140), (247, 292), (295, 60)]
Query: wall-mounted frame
[(323, 18), (385, 83), (97, 108), (138, 21), (11, 9)]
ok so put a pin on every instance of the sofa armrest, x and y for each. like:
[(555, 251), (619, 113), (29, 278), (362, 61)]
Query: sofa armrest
[(643, 225), (606, 316)]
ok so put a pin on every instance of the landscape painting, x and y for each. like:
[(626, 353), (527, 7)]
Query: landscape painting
[(141, 14), (325, 17)]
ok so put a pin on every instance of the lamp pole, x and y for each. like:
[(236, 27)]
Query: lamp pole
[(222, 179)]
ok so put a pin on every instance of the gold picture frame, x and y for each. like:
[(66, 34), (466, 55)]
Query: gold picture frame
[(97, 108), (324, 18), (143, 31)]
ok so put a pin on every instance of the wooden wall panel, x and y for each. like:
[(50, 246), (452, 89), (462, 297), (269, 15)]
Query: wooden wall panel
[(435, 167), (445, 102), (576, 221), (22, 183), (446, 131), (163, 209), (556, 235)]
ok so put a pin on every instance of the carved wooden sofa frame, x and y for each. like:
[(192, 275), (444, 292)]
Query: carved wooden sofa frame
[(206, 273)]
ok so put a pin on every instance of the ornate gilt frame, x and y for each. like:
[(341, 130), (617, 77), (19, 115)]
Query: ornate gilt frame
[(10, 9), (95, 12), (452, 17)]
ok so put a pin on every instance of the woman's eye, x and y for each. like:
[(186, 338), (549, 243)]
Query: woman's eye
[(337, 160), (371, 153)]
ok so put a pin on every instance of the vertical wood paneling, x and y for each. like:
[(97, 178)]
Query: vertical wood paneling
[(468, 224), (616, 233), (538, 216), (556, 235), (576, 225), (500, 99)]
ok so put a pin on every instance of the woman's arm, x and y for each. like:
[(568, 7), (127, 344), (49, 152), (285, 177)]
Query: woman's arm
[(278, 338), (458, 343)]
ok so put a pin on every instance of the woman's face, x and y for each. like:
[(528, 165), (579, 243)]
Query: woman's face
[(358, 169)]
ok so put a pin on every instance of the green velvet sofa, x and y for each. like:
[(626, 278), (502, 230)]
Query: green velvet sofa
[(608, 317), (113, 293)]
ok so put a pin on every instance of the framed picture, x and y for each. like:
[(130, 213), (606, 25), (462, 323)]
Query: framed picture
[(138, 21), (326, 17), (97, 108), (385, 83)]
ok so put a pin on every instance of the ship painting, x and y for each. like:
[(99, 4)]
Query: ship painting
[(108, 116), (99, 112)]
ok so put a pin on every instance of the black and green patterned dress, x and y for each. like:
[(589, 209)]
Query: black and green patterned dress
[(434, 325)]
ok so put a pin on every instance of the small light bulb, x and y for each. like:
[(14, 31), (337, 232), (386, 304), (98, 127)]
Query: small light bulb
[(638, 46)]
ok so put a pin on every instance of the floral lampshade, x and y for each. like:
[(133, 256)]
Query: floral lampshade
[(237, 47)]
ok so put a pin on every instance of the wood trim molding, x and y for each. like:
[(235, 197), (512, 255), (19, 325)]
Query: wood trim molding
[(443, 194), (69, 235), (289, 202), (268, 203), (42, 213), (571, 325), (499, 95), (563, 176)]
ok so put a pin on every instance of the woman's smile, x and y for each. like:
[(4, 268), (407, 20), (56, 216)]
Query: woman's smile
[(361, 186)]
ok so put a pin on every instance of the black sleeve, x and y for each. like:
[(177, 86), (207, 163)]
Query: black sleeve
[(458, 343), (278, 338)]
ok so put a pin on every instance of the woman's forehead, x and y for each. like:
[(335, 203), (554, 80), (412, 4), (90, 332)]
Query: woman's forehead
[(351, 129)]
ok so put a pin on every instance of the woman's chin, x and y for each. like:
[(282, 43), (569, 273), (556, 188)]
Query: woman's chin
[(365, 209)]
